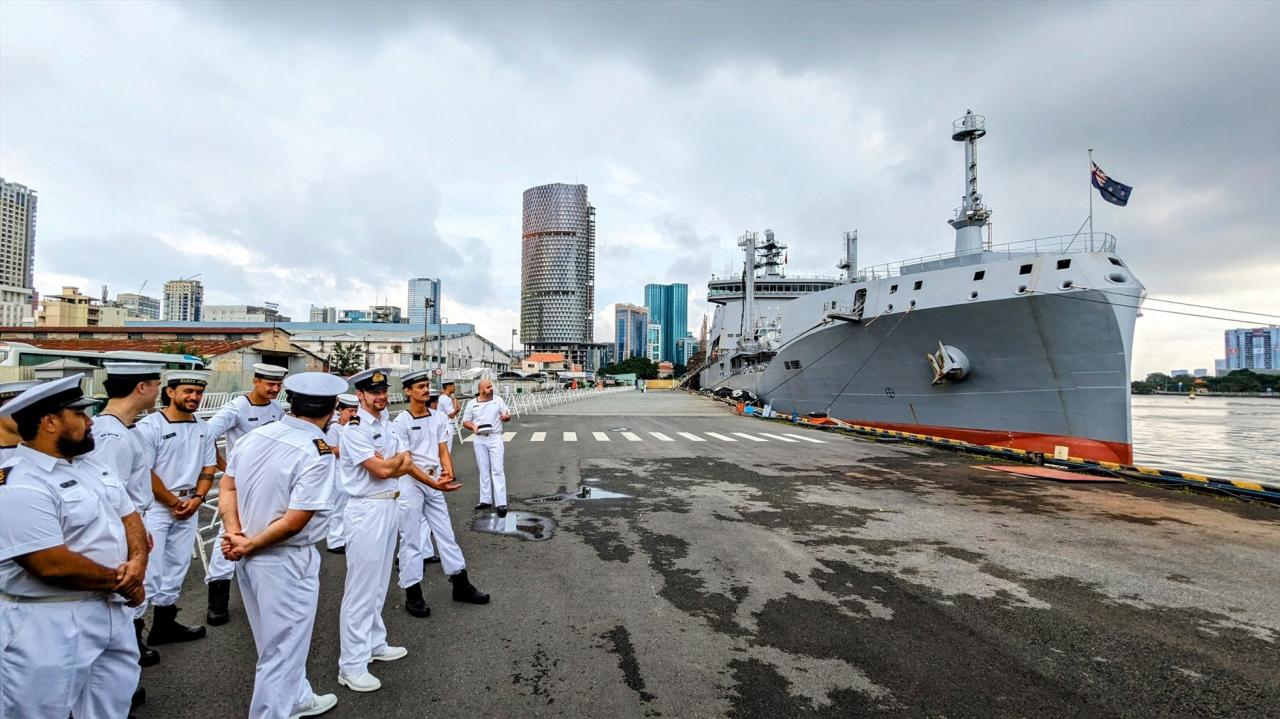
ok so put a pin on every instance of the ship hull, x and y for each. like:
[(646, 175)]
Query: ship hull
[(1047, 371)]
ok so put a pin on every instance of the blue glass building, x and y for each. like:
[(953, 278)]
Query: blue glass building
[(668, 306)]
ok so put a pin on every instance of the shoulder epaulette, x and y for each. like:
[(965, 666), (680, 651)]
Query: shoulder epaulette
[(4, 475), (323, 447), (353, 420)]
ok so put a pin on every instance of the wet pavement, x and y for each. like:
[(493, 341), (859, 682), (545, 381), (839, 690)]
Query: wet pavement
[(762, 570)]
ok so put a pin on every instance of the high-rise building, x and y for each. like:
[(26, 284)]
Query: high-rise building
[(17, 252), (420, 290), (183, 301), (139, 307), (557, 270), (669, 306), (323, 314), (686, 348), (653, 343), (1253, 348), (631, 331)]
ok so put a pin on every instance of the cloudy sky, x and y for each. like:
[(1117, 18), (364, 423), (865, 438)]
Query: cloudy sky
[(324, 152)]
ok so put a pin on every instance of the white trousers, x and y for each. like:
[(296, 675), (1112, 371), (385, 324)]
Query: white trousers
[(493, 479), (371, 543), (280, 590), (419, 506), (170, 557), (63, 658), (220, 567), (337, 536)]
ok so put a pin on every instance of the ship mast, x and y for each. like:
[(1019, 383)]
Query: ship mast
[(748, 244), (972, 215)]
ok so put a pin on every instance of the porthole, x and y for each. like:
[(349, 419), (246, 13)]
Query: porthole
[(1117, 277), (979, 275), (1116, 262), (1024, 270), (893, 288), (1066, 285), (973, 295), (1064, 264), (918, 285)]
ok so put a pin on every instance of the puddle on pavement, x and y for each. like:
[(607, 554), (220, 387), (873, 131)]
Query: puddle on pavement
[(591, 480), (619, 429), (523, 525), (584, 492)]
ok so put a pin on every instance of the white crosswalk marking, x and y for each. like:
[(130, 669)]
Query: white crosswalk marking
[(571, 436), (600, 436), (632, 436), (662, 437), (744, 435), (691, 436), (538, 437), (807, 439), (721, 437), (508, 436), (778, 437)]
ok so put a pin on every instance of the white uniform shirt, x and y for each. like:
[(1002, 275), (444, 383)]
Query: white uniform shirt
[(288, 465), (489, 413), (333, 433), (116, 446), (364, 435), (447, 406), (421, 436), (240, 416), (7, 452), (179, 449), (46, 502)]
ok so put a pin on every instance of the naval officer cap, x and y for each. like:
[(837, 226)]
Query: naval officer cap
[(348, 400), (186, 376), (140, 371), (315, 384), (414, 377), (9, 390), (269, 372), (376, 379), (47, 398)]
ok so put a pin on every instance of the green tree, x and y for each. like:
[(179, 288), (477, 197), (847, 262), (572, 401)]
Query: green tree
[(641, 367), (184, 348), (345, 359)]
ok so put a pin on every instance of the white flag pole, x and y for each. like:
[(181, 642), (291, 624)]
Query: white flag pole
[(1091, 199)]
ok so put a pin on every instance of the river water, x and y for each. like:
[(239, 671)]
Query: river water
[(1227, 437)]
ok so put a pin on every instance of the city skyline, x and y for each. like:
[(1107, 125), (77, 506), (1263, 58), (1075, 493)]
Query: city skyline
[(804, 131)]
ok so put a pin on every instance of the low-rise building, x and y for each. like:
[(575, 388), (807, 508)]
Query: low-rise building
[(139, 307), (72, 309), (242, 313)]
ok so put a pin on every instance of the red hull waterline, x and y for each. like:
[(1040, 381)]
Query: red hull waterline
[(1083, 447)]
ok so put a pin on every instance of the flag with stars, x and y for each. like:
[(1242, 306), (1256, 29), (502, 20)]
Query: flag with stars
[(1117, 193)]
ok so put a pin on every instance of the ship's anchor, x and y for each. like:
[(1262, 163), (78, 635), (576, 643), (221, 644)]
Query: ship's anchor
[(948, 363)]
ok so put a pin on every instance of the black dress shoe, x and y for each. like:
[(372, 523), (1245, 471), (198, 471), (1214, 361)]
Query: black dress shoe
[(464, 591), (219, 594), (139, 698), (434, 559), (502, 510), (414, 604), (147, 657), (165, 628), (484, 505), (337, 550)]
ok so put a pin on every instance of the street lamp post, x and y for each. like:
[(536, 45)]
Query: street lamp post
[(427, 304)]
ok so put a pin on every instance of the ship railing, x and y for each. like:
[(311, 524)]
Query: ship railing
[(1057, 244)]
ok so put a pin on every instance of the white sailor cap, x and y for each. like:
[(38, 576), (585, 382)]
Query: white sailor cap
[(9, 390), (371, 379), (446, 383), (271, 372), (348, 400), (133, 370), (414, 377), (49, 397), (315, 384), (186, 376)]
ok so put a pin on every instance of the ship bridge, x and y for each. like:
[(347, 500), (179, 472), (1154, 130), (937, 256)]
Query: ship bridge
[(721, 290)]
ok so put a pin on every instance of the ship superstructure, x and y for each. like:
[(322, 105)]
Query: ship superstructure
[(1026, 344)]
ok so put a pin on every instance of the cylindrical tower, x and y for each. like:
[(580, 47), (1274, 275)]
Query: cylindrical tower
[(972, 215), (557, 266)]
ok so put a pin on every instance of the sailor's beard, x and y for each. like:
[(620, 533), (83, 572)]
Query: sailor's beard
[(68, 447)]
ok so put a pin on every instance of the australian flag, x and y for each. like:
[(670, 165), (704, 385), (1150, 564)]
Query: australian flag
[(1117, 193)]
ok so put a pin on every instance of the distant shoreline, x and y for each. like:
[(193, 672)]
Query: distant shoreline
[(1259, 395)]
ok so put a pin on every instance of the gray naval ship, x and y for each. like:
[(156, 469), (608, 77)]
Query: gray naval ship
[(1025, 345)]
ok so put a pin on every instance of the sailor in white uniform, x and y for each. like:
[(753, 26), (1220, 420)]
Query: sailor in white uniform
[(484, 415), (183, 464), (449, 407), (348, 404), (235, 419), (275, 493), (73, 554), (132, 388), (423, 433), (9, 437), (371, 460)]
